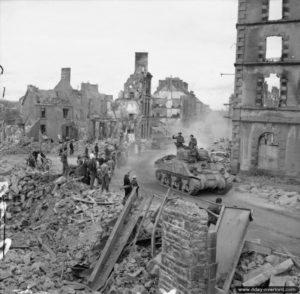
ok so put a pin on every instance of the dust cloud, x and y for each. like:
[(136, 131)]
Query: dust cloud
[(206, 131)]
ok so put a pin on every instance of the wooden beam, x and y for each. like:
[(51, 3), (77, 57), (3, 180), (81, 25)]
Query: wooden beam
[(156, 222)]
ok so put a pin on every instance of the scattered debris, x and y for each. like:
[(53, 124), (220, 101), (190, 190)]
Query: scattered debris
[(260, 269), (273, 194)]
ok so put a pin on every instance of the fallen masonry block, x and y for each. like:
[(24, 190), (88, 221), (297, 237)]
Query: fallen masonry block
[(255, 272), (278, 281), (273, 259), (264, 276)]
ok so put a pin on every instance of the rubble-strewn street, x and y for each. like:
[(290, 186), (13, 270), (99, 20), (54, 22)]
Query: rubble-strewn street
[(58, 233), (174, 170)]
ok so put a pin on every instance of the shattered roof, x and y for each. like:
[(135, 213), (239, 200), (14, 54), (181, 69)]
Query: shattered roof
[(46, 96)]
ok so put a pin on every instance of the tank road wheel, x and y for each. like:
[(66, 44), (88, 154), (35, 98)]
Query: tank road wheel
[(158, 175), (177, 184), (167, 180), (186, 187)]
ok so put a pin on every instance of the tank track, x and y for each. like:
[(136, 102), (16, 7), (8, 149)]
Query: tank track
[(184, 187)]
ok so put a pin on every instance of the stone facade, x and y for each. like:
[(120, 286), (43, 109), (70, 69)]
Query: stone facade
[(188, 258), (135, 103), (62, 110), (11, 123), (139, 83), (266, 136), (172, 99)]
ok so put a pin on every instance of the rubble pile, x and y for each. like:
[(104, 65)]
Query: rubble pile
[(135, 273), (273, 194), (56, 225), (256, 269), (23, 147)]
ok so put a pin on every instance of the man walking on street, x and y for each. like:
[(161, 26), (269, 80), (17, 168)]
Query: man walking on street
[(71, 148), (64, 160), (134, 183), (92, 169), (127, 187), (96, 150), (105, 177)]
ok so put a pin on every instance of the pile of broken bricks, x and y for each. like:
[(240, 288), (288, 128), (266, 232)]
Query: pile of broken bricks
[(273, 194), (23, 147), (136, 273), (266, 270), (53, 232)]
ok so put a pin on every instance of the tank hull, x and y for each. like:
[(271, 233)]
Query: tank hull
[(191, 178)]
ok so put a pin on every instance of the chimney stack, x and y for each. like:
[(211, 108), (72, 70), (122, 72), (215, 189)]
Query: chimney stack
[(66, 74), (141, 62)]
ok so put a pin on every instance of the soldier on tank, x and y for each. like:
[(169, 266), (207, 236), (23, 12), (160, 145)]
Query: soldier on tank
[(179, 140), (193, 142)]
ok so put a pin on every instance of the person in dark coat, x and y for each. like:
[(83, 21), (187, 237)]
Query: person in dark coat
[(193, 142), (71, 148), (179, 140), (96, 150), (134, 183), (127, 187), (216, 209), (86, 151), (105, 176), (92, 169)]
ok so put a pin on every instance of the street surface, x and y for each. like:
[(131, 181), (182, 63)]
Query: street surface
[(274, 226)]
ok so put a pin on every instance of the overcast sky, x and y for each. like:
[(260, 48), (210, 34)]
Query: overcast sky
[(194, 40)]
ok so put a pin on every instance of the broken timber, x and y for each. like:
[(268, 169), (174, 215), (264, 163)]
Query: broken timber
[(117, 240), (156, 222)]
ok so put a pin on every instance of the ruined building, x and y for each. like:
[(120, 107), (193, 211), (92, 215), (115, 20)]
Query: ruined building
[(62, 111), (134, 102), (11, 123), (172, 99), (266, 110)]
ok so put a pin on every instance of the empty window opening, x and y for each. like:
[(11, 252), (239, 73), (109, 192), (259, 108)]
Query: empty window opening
[(43, 129), (65, 112), (268, 139), (275, 9), (273, 48), (271, 91), (43, 112)]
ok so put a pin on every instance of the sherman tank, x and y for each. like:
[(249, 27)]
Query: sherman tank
[(191, 171)]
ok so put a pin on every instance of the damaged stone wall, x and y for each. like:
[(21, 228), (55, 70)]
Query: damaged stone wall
[(139, 83), (266, 135), (188, 258), (66, 109)]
